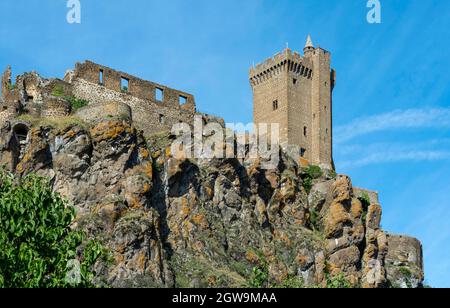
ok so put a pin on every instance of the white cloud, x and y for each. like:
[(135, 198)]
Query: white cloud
[(389, 157), (398, 119)]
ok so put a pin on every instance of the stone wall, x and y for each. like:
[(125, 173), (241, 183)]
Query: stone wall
[(373, 195), (295, 92), (149, 116), (139, 88), (404, 261), (55, 107), (100, 111)]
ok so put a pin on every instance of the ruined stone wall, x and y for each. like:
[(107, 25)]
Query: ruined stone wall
[(151, 117), (139, 88), (100, 111), (6, 115), (55, 107), (373, 195), (101, 85)]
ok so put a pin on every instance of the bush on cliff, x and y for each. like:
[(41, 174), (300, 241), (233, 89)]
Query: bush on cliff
[(38, 247)]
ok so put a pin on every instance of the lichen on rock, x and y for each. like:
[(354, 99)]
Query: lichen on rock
[(193, 223)]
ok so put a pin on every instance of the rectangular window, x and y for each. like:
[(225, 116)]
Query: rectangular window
[(124, 84), (162, 119), (294, 81), (305, 131), (100, 78), (275, 105), (182, 100), (159, 94)]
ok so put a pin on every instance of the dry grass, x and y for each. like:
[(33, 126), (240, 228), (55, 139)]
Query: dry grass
[(57, 123)]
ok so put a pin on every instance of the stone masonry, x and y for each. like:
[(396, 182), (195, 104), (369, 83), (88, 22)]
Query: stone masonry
[(153, 107), (296, 92)]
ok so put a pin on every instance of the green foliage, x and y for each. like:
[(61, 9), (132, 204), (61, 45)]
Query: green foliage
[(292, 283), (259, 277), (338, 282), (314, 172), (11, 87), (37, 243), (314, 219), (58, 91), (365, 199), (310, 174), (77, 103), (125, 89), (405, 272), (307, 184)]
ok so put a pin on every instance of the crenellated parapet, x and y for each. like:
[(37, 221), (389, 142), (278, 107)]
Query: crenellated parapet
[(285, 61)]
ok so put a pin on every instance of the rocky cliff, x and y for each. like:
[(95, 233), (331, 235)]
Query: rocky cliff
[(210, 223)]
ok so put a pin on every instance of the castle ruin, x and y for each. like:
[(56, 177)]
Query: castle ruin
[(153, 107), (292, 90), (296, 92)]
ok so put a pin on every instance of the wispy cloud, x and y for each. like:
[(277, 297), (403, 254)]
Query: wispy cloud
[(396, 156), (398, 119)]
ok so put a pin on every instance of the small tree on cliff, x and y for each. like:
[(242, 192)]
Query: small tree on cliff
[(37, 246)]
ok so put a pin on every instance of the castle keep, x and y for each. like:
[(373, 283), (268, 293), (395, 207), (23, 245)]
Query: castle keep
[(296, 92)]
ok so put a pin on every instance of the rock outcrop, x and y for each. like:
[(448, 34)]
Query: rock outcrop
[(211, 223)]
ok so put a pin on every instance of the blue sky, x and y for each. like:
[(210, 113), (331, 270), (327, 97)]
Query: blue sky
[(391, 101)]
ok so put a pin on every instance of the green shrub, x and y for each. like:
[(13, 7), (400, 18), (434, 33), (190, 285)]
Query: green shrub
[(292, 283), (310, 174), (259, 277), (314, 172), (37, 243), (58, 91), (11, 87), (77, 103), (365, 199), (338, 282), (314, 219)]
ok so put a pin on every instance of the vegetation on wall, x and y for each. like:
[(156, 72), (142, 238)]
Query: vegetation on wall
[(38, 247), (76, 103)]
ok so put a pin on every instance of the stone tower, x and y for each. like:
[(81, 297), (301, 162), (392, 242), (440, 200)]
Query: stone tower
[(296, 92)]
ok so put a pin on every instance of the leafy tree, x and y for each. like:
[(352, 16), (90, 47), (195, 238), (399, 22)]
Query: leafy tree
[(38, 247)]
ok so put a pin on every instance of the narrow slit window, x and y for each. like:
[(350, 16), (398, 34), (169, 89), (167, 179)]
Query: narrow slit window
[(162, 119), (100, 78), (275, 105), (124, 84), (159, 94), (305, 131), (294, 81), (182, 99)]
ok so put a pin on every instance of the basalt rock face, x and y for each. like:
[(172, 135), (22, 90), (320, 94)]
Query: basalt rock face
[(212, 223)]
